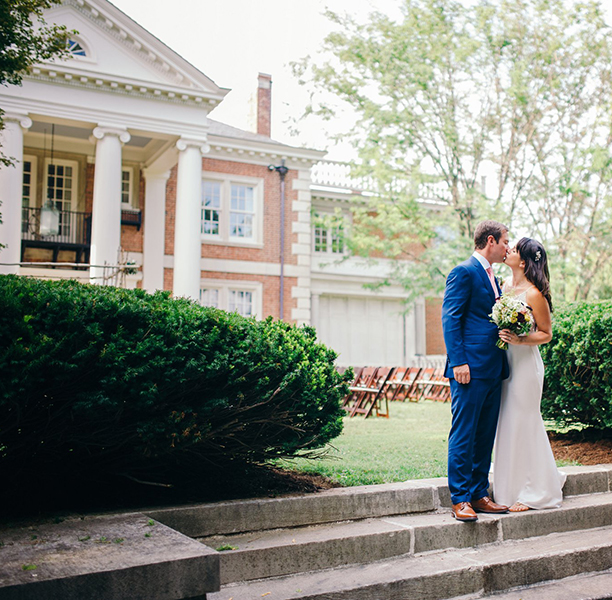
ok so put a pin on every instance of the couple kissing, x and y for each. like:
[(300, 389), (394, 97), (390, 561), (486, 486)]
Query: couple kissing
[(496, 393)]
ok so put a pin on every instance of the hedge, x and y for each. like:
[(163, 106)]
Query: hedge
[(105, 380), (578, 360)]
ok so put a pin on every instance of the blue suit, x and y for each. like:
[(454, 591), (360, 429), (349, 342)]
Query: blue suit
[(470, 339)]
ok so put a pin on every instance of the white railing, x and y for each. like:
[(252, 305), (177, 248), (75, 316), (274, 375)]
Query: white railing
[(338, 175)]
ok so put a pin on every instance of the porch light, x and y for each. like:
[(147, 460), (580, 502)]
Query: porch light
[(49, 219)]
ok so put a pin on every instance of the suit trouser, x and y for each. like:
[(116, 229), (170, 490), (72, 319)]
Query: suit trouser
[(475, 410)]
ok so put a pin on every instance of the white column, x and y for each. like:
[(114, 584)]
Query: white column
[(106, 212), (11, 190), (154, 230), (187, 222)]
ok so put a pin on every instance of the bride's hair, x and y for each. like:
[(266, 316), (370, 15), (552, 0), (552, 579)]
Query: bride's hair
[(536, 265)]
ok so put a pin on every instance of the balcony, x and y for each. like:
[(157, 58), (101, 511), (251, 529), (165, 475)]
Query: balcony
[(74, 237)]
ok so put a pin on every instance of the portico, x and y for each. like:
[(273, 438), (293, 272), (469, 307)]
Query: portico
[(87, 130)]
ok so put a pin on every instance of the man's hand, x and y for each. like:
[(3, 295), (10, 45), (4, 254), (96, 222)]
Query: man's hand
[(462, 374)]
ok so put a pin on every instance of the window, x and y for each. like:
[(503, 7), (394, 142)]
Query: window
[(127, 184), (328, 234), (243, 297), (241, 302), (60, 188), (28, 193), (211, 207), (241, 212), (209, 297), (75, 48), (232, 210)]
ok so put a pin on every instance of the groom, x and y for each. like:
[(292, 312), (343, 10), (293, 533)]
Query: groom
[(475, 368)]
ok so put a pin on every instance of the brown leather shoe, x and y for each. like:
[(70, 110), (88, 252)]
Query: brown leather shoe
[(486, 505), (463, 512)]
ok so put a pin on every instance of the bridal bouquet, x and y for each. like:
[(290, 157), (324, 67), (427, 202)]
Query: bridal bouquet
[(510, 313)]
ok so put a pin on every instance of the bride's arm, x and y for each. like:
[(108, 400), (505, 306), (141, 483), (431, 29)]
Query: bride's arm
[(541, 314)]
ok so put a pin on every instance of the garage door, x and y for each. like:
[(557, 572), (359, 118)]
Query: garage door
[(364, 331)]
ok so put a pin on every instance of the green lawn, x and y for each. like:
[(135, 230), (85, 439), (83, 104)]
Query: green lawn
[(411, 444)]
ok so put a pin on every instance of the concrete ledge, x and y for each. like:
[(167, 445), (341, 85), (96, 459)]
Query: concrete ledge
[(587, 480), (121, 557), (339, 504), (469, 572), (592, 586)]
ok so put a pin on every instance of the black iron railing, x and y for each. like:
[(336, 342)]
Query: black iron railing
[(74, 228)]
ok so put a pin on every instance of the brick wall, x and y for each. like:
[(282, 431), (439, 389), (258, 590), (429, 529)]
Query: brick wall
[(132, 238), (270, 291), (269, 253)]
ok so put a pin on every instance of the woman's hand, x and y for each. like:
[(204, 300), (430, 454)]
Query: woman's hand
[(509, 337)]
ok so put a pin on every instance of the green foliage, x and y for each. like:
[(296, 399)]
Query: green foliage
[(98, 380), (578, 380), (26, 39), (451, 92)]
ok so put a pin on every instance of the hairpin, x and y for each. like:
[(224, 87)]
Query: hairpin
[(538, 256)]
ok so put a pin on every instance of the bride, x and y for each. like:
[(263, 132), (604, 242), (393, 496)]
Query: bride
[(525, 475)]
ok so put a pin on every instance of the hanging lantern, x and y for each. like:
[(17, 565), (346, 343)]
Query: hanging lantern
[(49, 219)]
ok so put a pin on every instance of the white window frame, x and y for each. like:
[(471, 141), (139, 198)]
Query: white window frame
[(223, 237), (130, 204), (33, 160), (90, 56), (67, 234), (328, 233), (225, 286)]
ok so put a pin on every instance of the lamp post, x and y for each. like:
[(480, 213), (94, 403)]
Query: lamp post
[(282, 172)]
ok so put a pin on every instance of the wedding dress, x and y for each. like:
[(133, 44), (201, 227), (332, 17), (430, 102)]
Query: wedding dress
[(524, 467)]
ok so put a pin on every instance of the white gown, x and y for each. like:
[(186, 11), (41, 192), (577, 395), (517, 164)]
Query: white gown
[(524, 466)]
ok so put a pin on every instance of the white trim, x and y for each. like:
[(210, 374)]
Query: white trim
[(244, 267)]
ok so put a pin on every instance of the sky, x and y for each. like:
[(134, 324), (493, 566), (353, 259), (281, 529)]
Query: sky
[(231, 41)]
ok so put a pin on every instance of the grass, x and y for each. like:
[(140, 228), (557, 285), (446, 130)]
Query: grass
[(411, 444)]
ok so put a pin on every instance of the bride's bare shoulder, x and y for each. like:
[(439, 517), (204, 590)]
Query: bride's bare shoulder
[(535, 296)]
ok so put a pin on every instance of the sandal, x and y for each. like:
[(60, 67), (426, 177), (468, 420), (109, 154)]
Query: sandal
[(518, 507)]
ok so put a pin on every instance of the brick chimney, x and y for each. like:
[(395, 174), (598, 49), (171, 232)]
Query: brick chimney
[(264, 104)]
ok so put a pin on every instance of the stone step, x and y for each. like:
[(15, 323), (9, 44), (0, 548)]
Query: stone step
[(464, 572), (341, 504), (273, 553), (591, 586)]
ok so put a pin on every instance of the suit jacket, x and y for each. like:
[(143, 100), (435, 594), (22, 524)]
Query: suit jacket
[(469, 334)]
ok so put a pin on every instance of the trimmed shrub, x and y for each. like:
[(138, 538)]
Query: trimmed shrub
[(578, 379), (105, 380)]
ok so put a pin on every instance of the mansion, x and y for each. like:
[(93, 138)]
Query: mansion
[(118, 164)]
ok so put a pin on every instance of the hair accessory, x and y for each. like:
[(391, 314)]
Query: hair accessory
[(538, 256)]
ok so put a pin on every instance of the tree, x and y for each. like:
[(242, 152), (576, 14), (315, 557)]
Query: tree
[(25, 39), (517, 92)]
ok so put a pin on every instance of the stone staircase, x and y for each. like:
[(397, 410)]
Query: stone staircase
[(399, 542)]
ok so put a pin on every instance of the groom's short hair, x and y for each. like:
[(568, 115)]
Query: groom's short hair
[(485, 229)]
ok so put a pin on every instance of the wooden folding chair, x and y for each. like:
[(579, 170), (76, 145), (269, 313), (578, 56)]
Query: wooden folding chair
[(370, 399), (363, 377), (436, 387), (402, 385)]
